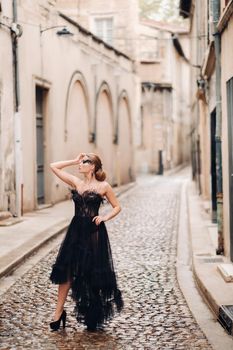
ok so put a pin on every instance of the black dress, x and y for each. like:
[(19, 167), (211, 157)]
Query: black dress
[(85, 259)]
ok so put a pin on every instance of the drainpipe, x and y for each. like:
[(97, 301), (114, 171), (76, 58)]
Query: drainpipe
[(218, 136), (17, 115)]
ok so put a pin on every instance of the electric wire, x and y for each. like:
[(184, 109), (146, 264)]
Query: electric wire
[(114, 38)]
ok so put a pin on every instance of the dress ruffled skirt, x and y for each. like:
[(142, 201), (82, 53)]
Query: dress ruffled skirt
[(85, 259)]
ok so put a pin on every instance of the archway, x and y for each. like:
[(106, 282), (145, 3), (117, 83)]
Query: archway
[(125, 152), (77, 77), (77, 126), (104, 130)]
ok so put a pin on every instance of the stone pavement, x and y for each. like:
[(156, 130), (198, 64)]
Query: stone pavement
[(156, 315)]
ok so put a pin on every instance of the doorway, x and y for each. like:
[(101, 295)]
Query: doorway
[(213, 165), (40, 142)]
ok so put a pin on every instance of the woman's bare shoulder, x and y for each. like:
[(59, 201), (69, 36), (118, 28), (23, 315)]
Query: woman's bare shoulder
[(106, 186)]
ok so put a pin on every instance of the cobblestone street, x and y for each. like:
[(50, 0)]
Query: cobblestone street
[(143, 239)]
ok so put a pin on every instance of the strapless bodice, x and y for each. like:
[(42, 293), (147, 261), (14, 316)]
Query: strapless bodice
[(87, 203)]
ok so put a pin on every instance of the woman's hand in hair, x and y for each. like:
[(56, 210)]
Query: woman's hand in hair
[(79, 157)]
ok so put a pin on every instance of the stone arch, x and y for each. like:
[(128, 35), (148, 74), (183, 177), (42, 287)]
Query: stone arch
[(104, 129), (77, 76), (77, 123), (124, 140), (104, 87), (123, 96)]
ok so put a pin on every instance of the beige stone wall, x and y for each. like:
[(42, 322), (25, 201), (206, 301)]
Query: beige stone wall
[(123, 13), (201, 109), (125, 154), (92, 94), (165, 100), (105, 132), (84, 83), (227, 73), (150, 72), (157, 130), (7, 153), (180, 77), (204, 132)]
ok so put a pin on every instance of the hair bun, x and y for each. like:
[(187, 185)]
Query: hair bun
[(100, 175)]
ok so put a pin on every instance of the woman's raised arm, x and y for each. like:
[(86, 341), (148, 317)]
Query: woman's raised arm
[(63, 175)]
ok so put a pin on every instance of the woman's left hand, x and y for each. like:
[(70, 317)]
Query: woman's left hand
[(98, 219)]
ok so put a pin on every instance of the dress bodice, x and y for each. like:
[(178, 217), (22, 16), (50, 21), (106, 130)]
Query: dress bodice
[(87, 203)]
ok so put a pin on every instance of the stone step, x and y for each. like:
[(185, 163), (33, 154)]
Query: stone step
[(5, 215), (226, 271)]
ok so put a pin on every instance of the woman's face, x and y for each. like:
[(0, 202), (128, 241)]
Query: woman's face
[(85, 165)]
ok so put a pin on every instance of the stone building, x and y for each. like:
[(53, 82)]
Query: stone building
[(203, 100), (225, 29), (7, 115), (115, 22), (84, 78), (75, 93), (211, 32), (203, 91), (163, 123), (165, 103)]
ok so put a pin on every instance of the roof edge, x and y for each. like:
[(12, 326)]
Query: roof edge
[(86, 32)]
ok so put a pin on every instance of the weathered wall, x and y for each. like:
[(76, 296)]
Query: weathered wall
[(71, 70), (7, 154)]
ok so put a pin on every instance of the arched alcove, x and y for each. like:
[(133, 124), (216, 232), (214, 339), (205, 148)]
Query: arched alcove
[(81, 92), (77, 121), (125, 147), (104, 130)]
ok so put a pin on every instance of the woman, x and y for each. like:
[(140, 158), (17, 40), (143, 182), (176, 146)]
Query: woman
[(84, 261)]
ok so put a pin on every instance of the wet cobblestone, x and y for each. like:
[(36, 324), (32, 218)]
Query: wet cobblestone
[(156, 316)]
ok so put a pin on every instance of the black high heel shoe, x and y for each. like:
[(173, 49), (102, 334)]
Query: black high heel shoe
[(56, 324)]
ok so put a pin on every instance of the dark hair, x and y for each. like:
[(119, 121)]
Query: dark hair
[(99, 172)]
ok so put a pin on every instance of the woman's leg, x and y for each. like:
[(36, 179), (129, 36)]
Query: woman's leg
[(63, 290)]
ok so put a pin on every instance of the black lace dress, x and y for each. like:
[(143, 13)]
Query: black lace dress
[(85, 259)]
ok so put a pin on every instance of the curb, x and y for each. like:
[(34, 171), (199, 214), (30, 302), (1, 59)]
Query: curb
[(204, 292), (175, 170), (215, 291), (7, 265), (191, 279)]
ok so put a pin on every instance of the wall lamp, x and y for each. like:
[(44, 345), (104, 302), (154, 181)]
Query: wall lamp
[(63, 31), (201, 88), (91, 137), (201, 83)]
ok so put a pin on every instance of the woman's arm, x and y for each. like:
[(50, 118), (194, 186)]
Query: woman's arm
[(63, 175), (114, 203)]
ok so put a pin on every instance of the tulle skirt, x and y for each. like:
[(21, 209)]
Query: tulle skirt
[(85, 259)]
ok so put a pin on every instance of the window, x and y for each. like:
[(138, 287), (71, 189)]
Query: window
[(103, 28)]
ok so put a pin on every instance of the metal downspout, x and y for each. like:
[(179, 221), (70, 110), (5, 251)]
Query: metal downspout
[(17, 118), (15, 58)]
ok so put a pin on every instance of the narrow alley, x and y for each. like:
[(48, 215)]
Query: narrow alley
[(156, 315)]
